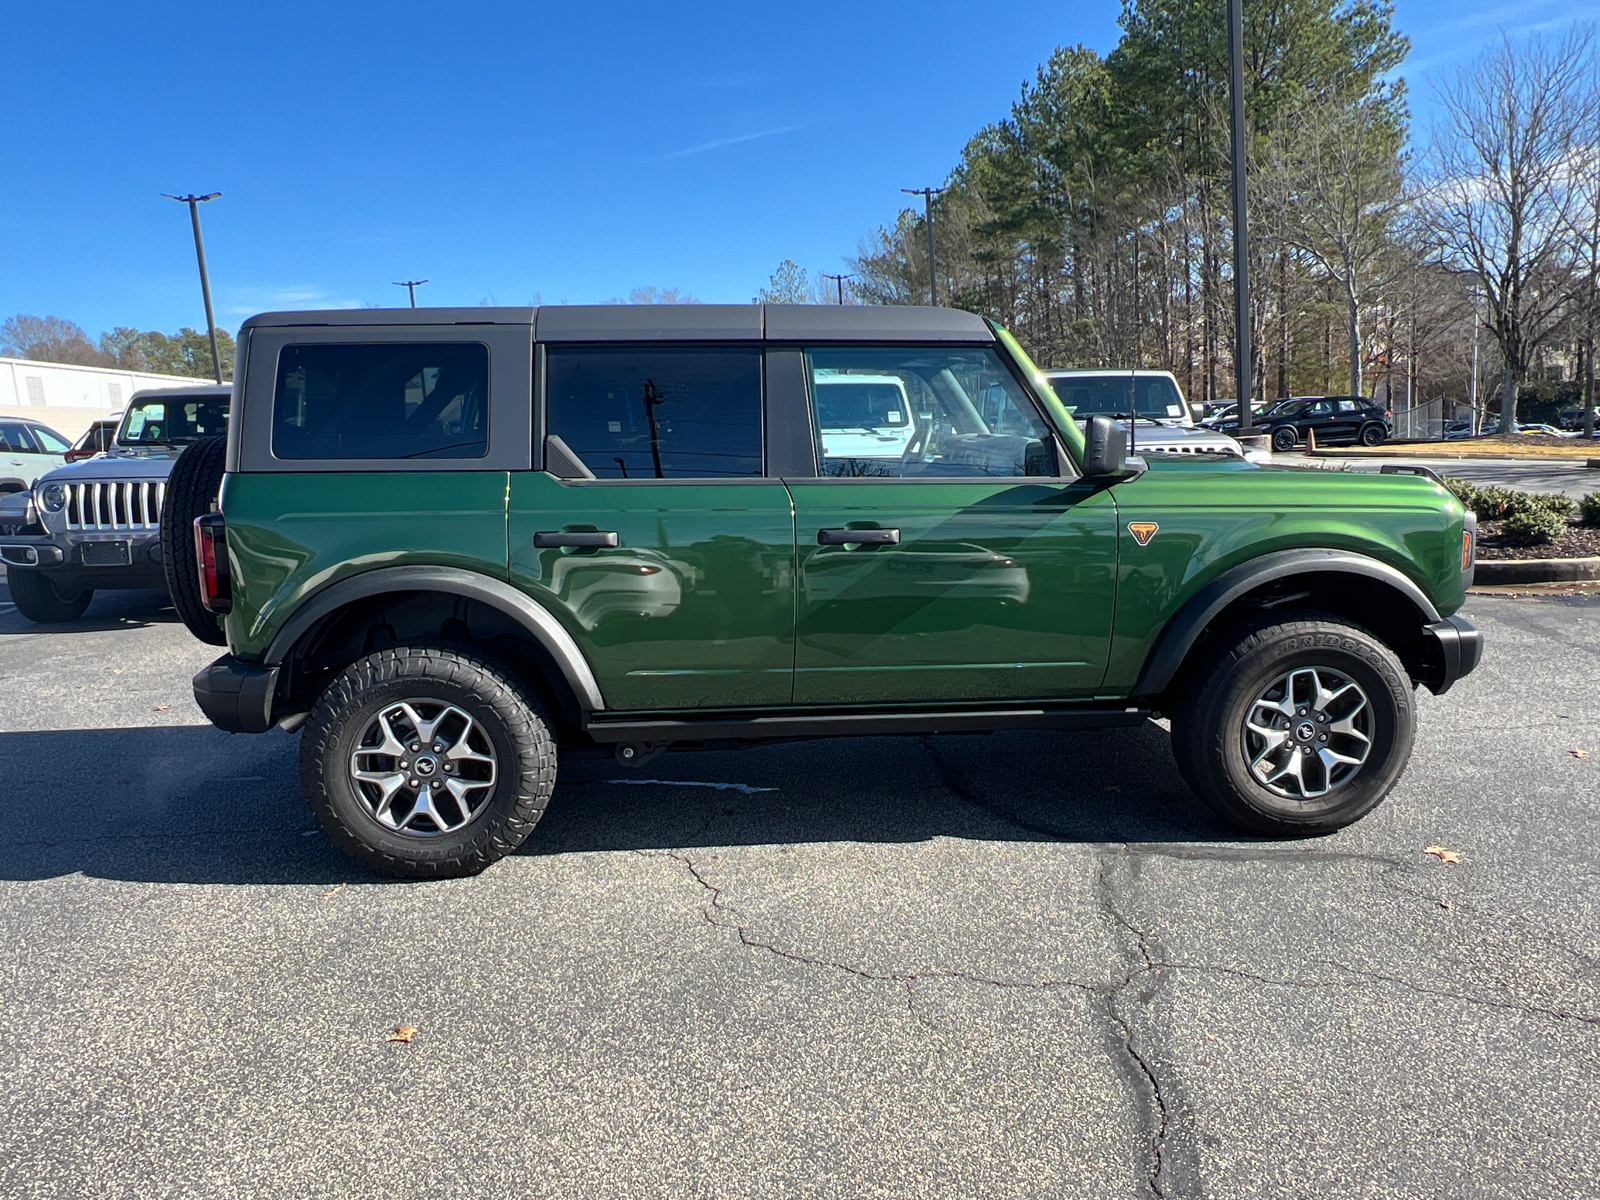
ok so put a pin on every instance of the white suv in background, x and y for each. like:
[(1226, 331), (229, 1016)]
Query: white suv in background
[(863, 416), (28, 450), (1151, 402)]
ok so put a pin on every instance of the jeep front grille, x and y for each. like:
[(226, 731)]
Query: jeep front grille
[(115, 504)]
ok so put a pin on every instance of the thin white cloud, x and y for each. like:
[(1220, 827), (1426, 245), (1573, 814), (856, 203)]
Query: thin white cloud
[(730, 141)]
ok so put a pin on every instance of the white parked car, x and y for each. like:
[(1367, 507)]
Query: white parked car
[(1152, 403), (28, 450)]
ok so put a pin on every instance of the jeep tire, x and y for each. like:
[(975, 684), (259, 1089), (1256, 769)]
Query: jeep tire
[(397, 811), (191, 492), (37, 599), (1269, 727)]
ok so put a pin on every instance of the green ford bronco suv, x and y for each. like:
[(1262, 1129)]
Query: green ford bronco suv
[(451, 541)]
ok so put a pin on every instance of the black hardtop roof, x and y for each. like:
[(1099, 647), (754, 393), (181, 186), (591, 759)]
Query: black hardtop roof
[(674, 322), (179, 389)]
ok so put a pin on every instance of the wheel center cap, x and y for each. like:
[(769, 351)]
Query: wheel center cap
[(1305, 731), (425, 765)]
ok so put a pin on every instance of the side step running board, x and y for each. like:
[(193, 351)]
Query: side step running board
[(860, 724)]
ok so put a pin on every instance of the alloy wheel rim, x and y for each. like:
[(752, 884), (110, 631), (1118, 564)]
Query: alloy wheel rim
[(1307, 733), (424, 768)]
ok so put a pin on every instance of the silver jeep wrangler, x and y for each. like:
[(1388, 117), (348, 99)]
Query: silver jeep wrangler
[(97, 523)]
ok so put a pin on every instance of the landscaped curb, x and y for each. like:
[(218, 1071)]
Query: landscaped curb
[(1535, 570)]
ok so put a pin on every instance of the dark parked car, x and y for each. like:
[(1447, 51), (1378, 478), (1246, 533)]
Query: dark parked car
[(1332, 418), (96, 439)]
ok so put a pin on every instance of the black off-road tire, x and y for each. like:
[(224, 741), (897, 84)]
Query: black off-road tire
[(509, 714), (191, 492), (37, 599), (1373, 434), (1208, 723), (1284, 439)]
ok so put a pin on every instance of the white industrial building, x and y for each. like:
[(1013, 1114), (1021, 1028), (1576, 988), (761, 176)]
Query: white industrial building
[(69, 398)]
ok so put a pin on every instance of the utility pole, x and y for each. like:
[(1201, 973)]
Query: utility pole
[(839, 279), (411, 286), (927, 195), (1244, 375), (194, 203)]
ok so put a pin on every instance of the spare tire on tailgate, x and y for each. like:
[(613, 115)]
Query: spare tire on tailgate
[(191, 492)]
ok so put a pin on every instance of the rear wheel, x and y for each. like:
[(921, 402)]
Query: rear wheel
[(1300, 727), (1373, 434), (1283, 439), (191, 492), (37, 599), (427, 762)]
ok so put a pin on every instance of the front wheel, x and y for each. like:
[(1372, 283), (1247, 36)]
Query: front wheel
[(1372, 435), (427, 762), (1283, 439), (1299, 727), (37, 599)]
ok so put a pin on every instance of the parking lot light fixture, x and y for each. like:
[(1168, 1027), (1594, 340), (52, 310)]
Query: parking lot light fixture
[(194, 202), (411, 286)]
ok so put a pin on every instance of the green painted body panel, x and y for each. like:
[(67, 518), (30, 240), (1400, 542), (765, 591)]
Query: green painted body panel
[(694, 608), (998, 590), (291, 535), (1215, 515)]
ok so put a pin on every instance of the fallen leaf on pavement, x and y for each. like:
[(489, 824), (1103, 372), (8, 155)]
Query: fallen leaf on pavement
[(1578, 753), (162, 707), (402, 1033), (332, 890), (1445, 855), (116, 671)]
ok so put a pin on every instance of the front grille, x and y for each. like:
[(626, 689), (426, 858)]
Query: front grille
[(115, 504)]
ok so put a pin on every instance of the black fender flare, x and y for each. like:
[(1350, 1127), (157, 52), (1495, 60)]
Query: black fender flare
[(539, 623), (1190, 621)]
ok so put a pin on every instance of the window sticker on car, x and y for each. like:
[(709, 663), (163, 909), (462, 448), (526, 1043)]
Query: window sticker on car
[(1143, 531)]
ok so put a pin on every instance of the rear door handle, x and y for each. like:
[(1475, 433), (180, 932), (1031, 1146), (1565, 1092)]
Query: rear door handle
[(864, 537), (549, 538)]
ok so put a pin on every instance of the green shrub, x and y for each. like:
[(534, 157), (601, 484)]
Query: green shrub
[(1494, 503), (1589, 509), (1560, 504), (1464, 491), (1534, 527), (1499, 504)]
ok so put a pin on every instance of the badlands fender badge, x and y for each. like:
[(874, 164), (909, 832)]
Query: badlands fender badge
[(1143, 531)]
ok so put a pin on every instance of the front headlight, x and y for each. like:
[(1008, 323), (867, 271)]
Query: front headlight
[(53, 497)]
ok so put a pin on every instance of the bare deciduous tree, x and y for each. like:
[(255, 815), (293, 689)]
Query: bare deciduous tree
[(1504, 192)]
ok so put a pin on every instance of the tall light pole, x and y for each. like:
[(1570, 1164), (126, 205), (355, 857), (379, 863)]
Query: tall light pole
[(839, 279), (194, 203), (927, 195), (1244, 376), (411, 286)]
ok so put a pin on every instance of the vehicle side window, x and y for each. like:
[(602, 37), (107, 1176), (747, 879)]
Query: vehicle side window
[(15, 439), (904, 411), (657, 412), (382, 400), (48, 441), (1349, 406), (1320, 408)]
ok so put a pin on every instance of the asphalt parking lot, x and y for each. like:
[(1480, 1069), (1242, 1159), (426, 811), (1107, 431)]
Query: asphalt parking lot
[(1524, 474), (1015, 965)]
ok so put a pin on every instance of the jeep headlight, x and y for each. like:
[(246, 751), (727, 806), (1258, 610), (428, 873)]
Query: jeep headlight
[(53, 497)]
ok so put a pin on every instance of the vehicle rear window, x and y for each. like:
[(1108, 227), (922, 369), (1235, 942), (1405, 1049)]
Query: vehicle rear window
[(657, 413), (173, 420), (389, 400), (1118, 395)]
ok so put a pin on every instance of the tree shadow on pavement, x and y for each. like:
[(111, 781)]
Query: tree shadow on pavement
[(189, 804)]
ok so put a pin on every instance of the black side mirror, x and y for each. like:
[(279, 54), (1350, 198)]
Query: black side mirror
[(1106, 450)]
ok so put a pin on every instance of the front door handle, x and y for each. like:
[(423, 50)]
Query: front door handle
[(550, 538), (864, 537)]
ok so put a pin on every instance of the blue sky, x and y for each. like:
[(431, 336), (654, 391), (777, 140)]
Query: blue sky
[(567, 153)]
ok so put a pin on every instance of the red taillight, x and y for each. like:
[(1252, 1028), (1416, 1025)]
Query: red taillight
[(211, 554)]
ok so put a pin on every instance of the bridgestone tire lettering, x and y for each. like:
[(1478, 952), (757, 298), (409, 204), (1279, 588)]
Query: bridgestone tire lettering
[(191, 492)]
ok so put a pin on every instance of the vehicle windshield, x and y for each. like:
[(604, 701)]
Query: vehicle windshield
[(173, 421), (1118, 395), (844, 403)]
